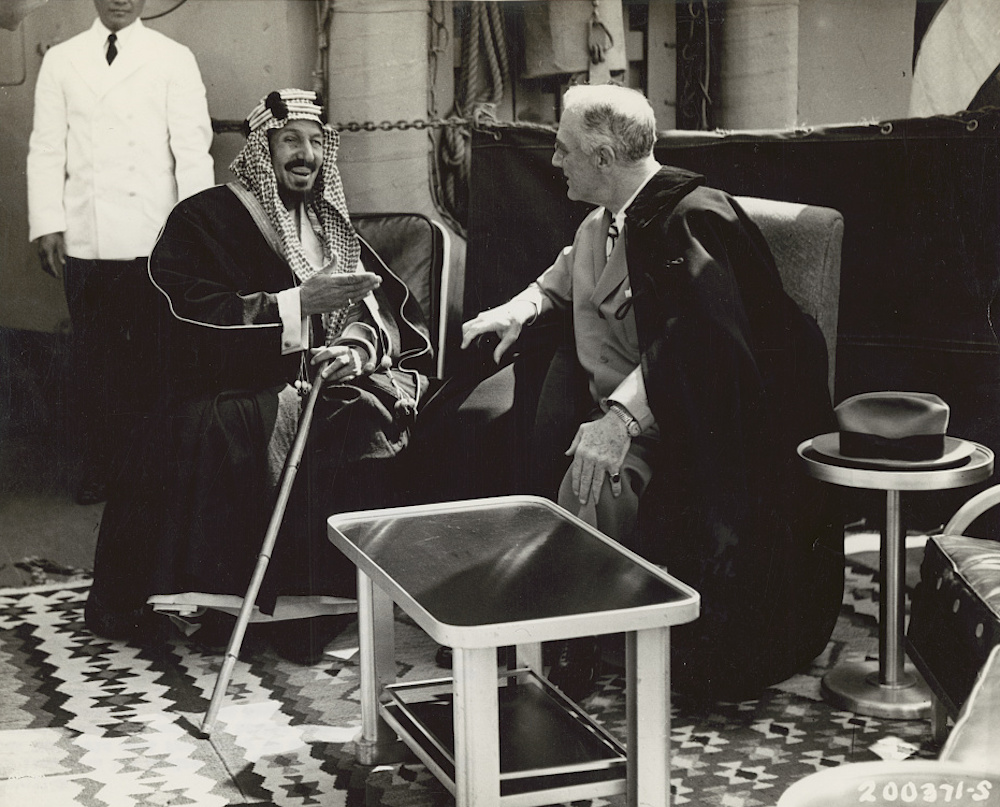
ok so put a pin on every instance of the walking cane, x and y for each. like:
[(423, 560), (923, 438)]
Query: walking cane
[(250, 598)]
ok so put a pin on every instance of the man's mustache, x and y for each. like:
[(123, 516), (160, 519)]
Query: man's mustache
[(300, 164)]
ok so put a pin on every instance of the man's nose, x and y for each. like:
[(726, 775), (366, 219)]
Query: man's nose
[(556, 159)]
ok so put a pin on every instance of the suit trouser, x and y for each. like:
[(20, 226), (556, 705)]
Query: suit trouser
[(565, 402), (617, 516), (110, 305)]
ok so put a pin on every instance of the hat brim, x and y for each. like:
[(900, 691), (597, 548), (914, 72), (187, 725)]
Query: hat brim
[(956, 451)]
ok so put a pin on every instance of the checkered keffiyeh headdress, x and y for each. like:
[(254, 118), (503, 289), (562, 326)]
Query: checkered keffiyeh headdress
[(253, 168)]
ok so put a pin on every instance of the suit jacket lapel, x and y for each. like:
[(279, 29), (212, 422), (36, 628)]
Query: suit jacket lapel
[(129, 59), (600, 239), (90, 62), (88, 59), (615, 272)]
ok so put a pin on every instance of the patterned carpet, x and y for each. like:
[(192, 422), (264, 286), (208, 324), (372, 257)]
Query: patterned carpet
[(85, 721)]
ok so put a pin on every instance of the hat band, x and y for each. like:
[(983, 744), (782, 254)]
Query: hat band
[(872, 446)]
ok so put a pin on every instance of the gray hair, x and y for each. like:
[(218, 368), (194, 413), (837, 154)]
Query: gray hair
[(616, 116)]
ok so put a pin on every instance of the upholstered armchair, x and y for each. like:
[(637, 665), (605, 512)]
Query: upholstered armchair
[(494, 420), (806, 242), (967, 770), (418, 251), (953, 639), (955, 613)]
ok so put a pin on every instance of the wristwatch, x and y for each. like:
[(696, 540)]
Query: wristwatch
[(631, 424)]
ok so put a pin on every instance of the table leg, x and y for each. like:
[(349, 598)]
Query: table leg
[(647, 687), (887, 689), (377, 660), (477, 727), (891, 611), (939, 720), (530, 655)]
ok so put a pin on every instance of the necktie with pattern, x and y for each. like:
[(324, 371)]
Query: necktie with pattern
[(112, 47), (613, 234)]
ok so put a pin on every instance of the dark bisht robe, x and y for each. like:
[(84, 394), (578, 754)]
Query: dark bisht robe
[(198, 487), (736, 377)]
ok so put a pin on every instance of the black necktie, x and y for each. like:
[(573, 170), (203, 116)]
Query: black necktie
[(612, 238), (112, 47)]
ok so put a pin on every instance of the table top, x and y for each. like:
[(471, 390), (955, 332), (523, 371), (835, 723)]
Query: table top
[(975, 468), (508, 570)]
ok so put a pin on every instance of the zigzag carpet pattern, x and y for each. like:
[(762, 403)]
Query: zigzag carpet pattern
[(91, 722)]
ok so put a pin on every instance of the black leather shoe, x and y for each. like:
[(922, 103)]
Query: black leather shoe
[(575, 664), (214, 631), (303, 641)]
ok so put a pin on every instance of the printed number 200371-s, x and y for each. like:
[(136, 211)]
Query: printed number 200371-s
[(923, 793)]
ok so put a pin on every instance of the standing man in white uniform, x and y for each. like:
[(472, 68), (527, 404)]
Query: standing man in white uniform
[(121, 133)]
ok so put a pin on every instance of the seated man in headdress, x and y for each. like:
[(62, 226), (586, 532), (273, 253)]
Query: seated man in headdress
[(263, 281)]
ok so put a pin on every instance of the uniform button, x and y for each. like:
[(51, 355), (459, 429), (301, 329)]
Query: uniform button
[(604, 359)]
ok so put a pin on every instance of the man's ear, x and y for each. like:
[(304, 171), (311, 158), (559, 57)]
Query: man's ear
[(604, 156)]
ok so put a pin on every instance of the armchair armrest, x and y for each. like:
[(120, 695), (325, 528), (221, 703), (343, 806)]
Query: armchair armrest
[(901, 782), (537, 341), (975, 740), (967, 770)]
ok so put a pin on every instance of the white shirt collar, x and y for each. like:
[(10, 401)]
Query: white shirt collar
[(124, 35), (620, 215)]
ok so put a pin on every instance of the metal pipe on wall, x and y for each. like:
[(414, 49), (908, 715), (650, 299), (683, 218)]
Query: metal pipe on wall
[(760, 64), (377, 71)]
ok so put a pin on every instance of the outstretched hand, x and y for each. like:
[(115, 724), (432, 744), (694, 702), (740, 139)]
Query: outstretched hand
[(505, 320), (323, 293)]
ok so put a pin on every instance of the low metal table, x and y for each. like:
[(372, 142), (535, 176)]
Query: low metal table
[(889, 688), (511, 571)]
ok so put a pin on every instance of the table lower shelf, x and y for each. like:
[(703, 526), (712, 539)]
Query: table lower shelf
[(546, 742)]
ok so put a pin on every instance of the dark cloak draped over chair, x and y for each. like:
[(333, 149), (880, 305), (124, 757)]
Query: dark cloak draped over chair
[(920, 265)]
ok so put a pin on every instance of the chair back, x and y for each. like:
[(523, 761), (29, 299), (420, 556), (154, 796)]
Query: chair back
[(417, 249), (806, 243)]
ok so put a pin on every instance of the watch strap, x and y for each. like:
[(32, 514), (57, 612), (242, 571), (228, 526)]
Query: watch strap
[(631, 424)]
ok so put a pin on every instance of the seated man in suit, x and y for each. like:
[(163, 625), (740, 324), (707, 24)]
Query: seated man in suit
[(263, 281), (689, 380)]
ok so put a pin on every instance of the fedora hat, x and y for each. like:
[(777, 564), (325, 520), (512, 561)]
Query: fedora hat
[(893, 429), (893, 426)]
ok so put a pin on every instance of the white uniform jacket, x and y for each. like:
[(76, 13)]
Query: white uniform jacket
[(114, 147)]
